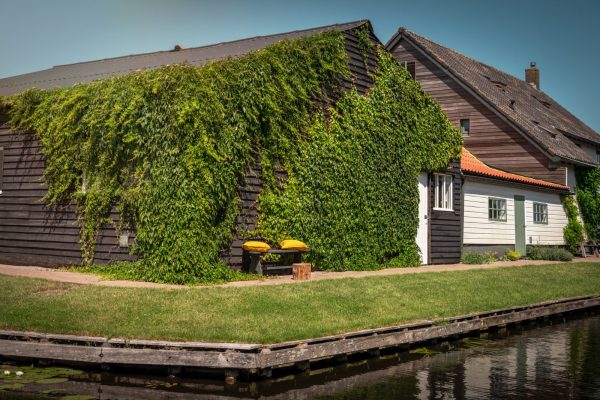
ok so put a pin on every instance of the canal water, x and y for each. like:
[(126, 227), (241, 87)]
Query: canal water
[(557, 361)]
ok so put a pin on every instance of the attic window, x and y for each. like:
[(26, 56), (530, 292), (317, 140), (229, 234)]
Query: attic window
[(410, 67), (542, 102)]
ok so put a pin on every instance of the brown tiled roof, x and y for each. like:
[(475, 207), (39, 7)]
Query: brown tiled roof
[(535, 113), (70, 74), (471, 165)]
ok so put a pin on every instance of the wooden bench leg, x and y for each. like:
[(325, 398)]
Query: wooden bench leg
[(251, 263)]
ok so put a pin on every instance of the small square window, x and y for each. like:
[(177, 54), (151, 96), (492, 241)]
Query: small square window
[(540, 213), (497, 209), (410, 66), (465, 127), (443, 192)]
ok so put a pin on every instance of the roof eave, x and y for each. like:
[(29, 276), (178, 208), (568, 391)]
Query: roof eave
[(565, 190)]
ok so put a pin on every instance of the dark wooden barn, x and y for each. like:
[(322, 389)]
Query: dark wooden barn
[(33, 234)]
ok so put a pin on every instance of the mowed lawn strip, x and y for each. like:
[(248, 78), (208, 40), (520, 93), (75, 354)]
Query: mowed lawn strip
[(267, 314)]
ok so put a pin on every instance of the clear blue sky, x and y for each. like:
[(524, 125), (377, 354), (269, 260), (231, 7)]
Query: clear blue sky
[(563, 37)]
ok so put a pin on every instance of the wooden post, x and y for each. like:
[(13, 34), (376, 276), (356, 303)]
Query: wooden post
[(301, 271)]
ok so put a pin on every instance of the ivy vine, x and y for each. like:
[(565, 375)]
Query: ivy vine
[(353, 192), (573, 232), (588, 198), (169, 148)]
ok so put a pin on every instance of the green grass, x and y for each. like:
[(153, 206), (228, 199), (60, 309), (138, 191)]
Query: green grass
[(264, 314)]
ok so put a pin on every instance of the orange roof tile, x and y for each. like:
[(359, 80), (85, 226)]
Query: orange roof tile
[(471, 164)]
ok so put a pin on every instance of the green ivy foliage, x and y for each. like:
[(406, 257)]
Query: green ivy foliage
[(170, 146), (588, 198), (573, 232), (352, 193)]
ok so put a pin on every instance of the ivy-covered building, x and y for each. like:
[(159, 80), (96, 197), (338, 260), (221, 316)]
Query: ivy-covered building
[(534, 148), (168, 161)]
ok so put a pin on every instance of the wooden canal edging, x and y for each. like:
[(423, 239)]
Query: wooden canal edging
[(258, 360)]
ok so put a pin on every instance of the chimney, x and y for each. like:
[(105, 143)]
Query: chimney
[(532, 75)]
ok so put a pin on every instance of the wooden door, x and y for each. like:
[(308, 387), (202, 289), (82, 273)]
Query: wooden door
[(520, 224)]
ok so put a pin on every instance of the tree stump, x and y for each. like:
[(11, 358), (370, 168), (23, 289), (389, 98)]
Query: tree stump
[(301, 271)]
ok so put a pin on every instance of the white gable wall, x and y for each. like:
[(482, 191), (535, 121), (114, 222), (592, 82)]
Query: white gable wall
[(479, 230)]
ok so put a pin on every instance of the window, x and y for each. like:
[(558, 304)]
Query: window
[(465, 127), (598, 156), (497, 209), (410, 67), (540, 213), (443, 192)]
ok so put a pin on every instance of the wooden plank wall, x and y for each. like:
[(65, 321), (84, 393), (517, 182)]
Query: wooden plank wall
[(492, 140), (445, 227), (30, 232)]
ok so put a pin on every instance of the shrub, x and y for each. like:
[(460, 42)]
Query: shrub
[(512, 255), (478, 258), (548, 253), (573, 232)]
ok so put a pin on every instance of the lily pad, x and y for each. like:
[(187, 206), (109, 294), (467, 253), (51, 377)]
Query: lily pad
[(10, 386), (52, 380), (53, 391)]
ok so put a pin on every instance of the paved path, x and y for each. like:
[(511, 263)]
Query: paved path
[(90, 279)]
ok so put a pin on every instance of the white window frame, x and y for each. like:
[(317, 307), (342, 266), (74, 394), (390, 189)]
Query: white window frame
[(444, 183), (543, 213), (505, 209)]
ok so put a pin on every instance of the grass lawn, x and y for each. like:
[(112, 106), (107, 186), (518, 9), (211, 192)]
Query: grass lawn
[(265, 314)]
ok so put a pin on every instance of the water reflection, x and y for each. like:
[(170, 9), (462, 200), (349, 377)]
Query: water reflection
[(561, 361)]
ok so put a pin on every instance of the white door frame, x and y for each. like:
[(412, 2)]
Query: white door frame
[(422, 238)]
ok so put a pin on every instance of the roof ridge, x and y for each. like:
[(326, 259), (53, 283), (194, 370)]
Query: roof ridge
[(249, 39), (467, 57)]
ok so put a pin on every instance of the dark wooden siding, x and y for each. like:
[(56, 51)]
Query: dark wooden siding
[(30, 231), (445, 227), (491, 139)]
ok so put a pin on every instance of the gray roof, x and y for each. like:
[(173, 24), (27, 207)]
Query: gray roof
[(535, 113), (68, 75)]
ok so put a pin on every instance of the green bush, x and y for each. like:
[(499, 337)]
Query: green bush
[(512, 255), (549, 253), (573, 232), (478, 258)]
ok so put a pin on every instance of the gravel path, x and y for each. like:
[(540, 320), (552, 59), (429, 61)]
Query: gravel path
[(90, 279)]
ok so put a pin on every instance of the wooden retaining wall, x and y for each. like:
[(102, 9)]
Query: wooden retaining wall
[(259, 360)]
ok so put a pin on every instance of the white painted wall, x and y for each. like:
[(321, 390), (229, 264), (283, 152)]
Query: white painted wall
[(478, 229)]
